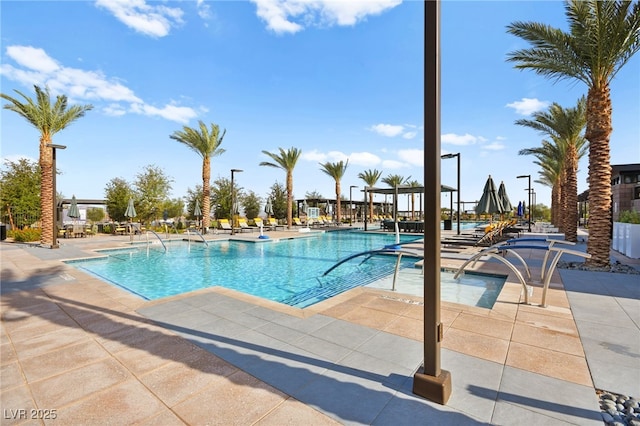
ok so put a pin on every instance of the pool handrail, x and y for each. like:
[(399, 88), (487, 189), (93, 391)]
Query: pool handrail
[(371, 252), (157, 236), (500, 250), (188, 232)]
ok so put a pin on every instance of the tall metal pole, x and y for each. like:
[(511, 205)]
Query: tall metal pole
[(529, 189), (430, 381), (54, 240), (458, 195)]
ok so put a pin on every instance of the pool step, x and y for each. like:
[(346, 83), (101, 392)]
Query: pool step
[(332, 286)]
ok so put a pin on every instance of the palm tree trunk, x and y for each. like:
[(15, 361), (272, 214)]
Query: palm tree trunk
[(338, 204), (289, 199), (46, 191), (570, 215), (598, 133), (206, 193), (370, 207)]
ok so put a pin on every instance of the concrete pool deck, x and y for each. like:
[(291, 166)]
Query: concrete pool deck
[(97, 354)]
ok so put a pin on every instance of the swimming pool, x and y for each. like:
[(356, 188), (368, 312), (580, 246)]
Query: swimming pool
[(288, 271)]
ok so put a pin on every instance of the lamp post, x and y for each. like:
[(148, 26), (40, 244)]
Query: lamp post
[(233, 199), (447, 156), (54, 241), (529, 190), (351, 204)]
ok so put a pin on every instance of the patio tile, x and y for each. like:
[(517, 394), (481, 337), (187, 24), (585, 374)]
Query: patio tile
[(406, 327), (79, 383), (17, 405), (369, 317), (550, 363), (60, 360), (293, 412), (483, 325), (549, 339), (485, 347), (540, 320), (239, 399), (110, 406), (7, 353), (11, 376)]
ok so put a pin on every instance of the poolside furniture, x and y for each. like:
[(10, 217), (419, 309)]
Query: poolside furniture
[(297, 222), (244, 226), (225, 225), (273, 224)]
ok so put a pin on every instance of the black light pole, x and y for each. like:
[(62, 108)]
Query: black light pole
[(233, 198), (54, 241), (529, 189), (351, 204), (458, 185)]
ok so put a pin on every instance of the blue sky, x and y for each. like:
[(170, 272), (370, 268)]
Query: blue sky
[(338, 80)]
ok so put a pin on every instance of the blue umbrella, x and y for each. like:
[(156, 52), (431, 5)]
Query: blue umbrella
[(520, 209)]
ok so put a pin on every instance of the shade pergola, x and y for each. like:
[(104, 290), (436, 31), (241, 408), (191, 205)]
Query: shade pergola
[(399, 190)]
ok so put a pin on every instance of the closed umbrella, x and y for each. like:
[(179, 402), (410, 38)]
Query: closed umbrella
[(130, 213), (305, 206), (489, 201), (131, 210), (520, 211), (504, 199), (268, 208), (74, 212)]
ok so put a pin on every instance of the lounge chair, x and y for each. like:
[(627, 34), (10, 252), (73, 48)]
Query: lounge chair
[(244, 226), (225, 225), (273, 224), (297, 221)]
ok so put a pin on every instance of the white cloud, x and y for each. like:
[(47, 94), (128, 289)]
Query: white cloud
[(528, 106), (314, 155), (393, 130), (414, 157), (33, 58), (365, 159), (393, 164), (154, 21), (409, 135), (281, 14), (466, 139), (493, 146), (204, 10), (83, 85)]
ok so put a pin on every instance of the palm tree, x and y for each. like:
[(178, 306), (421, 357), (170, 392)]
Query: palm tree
[(370, 177), (336, 171), (206, 143), (550, 160), (48, 120), (286, 161), (604, 35), (413, 184), (565, 127), (394, 181)]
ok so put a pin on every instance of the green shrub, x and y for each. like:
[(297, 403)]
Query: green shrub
[(25, 235), (629, 216)]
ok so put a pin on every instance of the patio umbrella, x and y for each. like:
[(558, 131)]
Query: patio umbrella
[(305, 206), (489, 201), (520, 211), (268, 208), (504, 199), (131, 211), (74, 212)]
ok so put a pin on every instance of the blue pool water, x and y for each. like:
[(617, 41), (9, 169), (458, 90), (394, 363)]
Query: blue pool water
[(287, 271)]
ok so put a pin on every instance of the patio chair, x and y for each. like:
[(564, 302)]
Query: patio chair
[(225, 225), (244, 226)]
